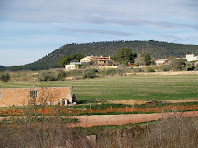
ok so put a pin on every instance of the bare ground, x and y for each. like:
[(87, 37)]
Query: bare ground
[(98, 120), (131, 102), (165, 73)]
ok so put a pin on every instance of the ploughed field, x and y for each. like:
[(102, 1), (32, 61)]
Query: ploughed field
[(99, 113), (141, 87), (101, 109)]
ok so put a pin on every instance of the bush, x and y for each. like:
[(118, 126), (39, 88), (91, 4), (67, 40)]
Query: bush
[(74, 73), (91, 73), (5, 77), (196, 68), (166, 68), (46, 76), (138, 70), (110, 71), (189, 68), (177, 65), (59, 75), (150, 70)]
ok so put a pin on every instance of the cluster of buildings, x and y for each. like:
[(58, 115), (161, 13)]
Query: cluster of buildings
[(189, 58), (94, 60), (107, 61)]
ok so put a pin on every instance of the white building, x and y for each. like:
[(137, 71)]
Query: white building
[(87, 59), (71, 67), (191, 57), (161, 62)]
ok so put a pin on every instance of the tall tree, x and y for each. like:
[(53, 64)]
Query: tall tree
[(76, 56), (125, 55), (67, 59), (147, 59), (64, 60), (139, 61)]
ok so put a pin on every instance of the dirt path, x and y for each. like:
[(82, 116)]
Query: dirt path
[(131, 102), (165, 73), (98, 120)]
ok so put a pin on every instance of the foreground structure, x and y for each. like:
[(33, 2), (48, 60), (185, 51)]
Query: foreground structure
[(35, 96)]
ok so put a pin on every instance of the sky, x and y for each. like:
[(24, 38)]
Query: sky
[(30, 29)]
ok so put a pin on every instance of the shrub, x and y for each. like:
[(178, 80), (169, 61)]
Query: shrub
[(189, 68), (177, 65), (46, 76), (196, 68), (5, 77), (91, 73), (150, 70), (59, 75), (138, 70), (110, 71), (166, 68), (74, 73)]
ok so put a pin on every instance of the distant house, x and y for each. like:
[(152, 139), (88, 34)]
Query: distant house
[(161, 62), (191, 57), (72, 66), (87, 59), (100, 61), (75, 63)]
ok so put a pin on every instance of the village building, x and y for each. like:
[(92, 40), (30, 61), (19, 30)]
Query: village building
[(87, 59), (161, 62), (35, 96), (72, 66), (100, 61), (191, 57)]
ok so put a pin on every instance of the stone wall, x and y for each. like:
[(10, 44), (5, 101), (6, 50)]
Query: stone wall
[(25, 96)]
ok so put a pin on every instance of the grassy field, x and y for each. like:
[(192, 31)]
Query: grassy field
[(148, 87)]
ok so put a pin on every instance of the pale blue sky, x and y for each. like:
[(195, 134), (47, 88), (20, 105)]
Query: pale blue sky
[(30, 29)]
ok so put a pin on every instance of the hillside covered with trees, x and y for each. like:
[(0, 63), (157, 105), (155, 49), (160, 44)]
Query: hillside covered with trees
[(2, 66), (156, 49)]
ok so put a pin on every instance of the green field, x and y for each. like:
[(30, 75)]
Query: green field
[(122, 88)]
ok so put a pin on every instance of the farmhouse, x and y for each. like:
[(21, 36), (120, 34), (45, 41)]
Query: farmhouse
[(100, 61), (35, 95), (161, 62), (72, 66), (191, 57)]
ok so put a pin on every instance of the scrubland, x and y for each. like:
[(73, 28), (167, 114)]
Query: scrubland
[(31, 128)]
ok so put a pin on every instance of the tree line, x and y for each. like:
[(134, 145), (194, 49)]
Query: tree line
[(126, 56)]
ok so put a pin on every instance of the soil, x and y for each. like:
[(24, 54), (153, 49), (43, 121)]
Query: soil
[(165, 73), (98, 120), (131, 102)]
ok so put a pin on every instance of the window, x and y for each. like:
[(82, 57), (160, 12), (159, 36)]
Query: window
[(33, 93)]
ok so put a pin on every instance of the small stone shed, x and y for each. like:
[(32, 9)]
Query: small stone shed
[(35, 95)]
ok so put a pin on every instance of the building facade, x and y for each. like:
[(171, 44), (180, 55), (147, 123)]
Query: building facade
[(191, 57), (35, 95), (100, 61), (161, 62)]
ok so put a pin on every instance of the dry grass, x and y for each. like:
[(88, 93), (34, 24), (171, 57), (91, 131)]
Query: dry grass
[(54, 132)]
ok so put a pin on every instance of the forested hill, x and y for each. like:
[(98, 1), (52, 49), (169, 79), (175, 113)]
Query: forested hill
[(155, 48)]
